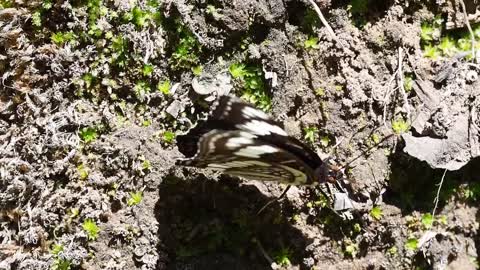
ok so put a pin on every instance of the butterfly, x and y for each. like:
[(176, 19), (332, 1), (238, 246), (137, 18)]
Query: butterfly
[(241, 140)]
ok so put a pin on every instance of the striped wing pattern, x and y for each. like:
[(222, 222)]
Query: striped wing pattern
[(243, 141)]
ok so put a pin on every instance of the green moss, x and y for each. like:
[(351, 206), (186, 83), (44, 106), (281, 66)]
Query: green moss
[(254, 88), (88, 134), (311, 43), (400, 126), (164, 87), (91, 228), (135, 198), (376, 213)]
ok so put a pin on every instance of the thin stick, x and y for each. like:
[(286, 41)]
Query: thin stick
[(472, 36), (274, 200), (264, 253), (324, 21), (437, 198), (401, 83)]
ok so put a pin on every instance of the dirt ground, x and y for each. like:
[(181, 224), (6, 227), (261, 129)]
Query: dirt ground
[(93, 92)]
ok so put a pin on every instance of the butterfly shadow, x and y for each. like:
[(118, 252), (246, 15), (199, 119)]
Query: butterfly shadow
[(207, 224)]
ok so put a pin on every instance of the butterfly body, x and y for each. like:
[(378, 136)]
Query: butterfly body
[(243, 141)]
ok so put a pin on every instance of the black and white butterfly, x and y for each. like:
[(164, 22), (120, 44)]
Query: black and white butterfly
[(243, 141)]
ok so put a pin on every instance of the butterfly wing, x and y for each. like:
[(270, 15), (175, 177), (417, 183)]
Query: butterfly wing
[(243, 154), (234, 121)]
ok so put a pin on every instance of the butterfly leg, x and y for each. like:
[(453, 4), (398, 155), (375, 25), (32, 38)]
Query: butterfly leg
[(274, 200)]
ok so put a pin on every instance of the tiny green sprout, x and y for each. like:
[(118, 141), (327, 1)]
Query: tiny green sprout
[(147, 70), (91, 228), (357, 228), (60, 38), (88, 79), (197, 70), (47, 4), (311, 134), (135, 198), (168, 137), (237, 70), (427, 32), (320, 92), (447, 46), (338, 87), (442, 219), (400, 126), (464, 44), (296, 218), (351, 249), (325, 141), (88, 134), (59, 263), (375, 138), (408, 83), (56, 249), (282, 258), (212, 10), (146, 165), (311, 43), (376, 213), (393, 250), (146, 122), (37, 18), (82, 172), (141, 89), (164, 87), (430, 51), (411, 244), (427, 221)]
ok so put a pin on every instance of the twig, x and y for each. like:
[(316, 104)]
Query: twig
[(264, 253), (401, 83), (472, 36), (324, 21), (437, 198)]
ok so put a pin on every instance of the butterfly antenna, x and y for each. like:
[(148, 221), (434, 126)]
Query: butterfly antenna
[(347, 164), (274, 200)]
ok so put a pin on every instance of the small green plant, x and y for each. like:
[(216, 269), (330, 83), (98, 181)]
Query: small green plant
[(447, 46), (351, 249), (411, 244), (168, 137), (82, 171), (376, 213), (237, 70), (147, 70), (197, 70), (187, 50), (141, 89), (135, 198), (325, 141), (91, 228), (164, 87), (59, 263), (400, 126), (146, 165), (311, 43), (470, 191), (427, 221), (88, 134), (432, 52), (311, 134), (61, 38), (282, 257), (320, 92), (393, 250), (254, 89), (408, 83)]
